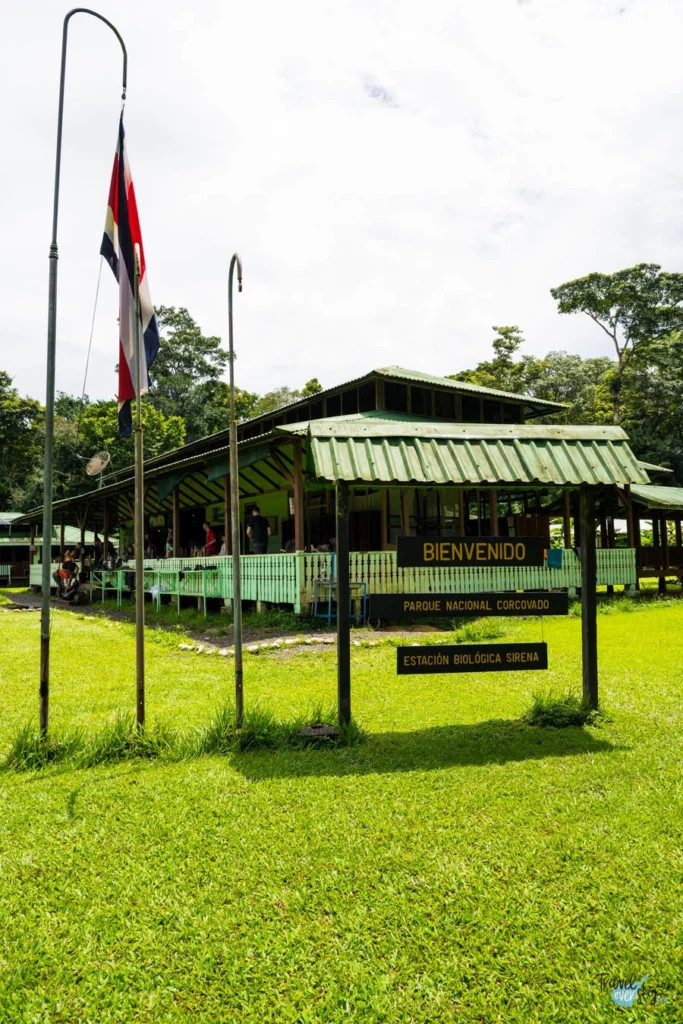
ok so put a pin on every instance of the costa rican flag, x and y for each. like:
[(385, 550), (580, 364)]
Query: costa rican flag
[(121, 235)]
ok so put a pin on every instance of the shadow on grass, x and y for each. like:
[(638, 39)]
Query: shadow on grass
[(497, 741)]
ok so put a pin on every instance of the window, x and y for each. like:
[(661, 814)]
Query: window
[(349, 402), (470, 409), (491, 411), (366, 397), (420, 401), (512, 413), (396, 397), (333, 405), (444, 405), (317, 410)]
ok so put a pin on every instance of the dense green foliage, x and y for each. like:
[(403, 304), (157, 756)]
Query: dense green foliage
[(188, 399), (650, 390), (635, 308), (459, 865), (20, 425)]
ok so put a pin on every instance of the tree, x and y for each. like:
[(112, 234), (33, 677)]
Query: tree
[(99, 431), (20, 441), (502, 372), (584, 385), (652, 403), (311, 387), (186, 374), (634, 307)]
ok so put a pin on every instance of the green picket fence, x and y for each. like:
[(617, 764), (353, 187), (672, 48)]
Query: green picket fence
[(290, 579)]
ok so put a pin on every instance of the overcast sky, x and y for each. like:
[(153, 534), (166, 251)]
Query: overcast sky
[(397, 176)]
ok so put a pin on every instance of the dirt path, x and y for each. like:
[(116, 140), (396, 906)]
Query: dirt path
[(216, 637)]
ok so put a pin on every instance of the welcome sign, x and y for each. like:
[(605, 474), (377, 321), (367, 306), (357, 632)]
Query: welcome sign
[(454, 552)]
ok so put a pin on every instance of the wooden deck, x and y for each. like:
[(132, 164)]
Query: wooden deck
[(290, 579)]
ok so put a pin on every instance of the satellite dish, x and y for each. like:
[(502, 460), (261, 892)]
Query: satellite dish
[(97, 463)]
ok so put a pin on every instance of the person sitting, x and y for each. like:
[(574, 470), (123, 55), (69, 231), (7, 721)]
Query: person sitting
[(149, 550), (258, 532), (224, 546), (290, 546), (72, 588), (169, 545), (210, 543), (65, 573)]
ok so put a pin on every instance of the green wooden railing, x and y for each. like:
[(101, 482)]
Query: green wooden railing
[(289, 579)]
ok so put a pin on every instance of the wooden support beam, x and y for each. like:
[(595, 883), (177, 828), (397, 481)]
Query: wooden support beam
[(384, 512), (405, 514), (461, 512), (589, 609), (61, 538), (603, 526), (664, 541), (105, 531), (227, 515), (628, 503), (577, 520), (677, 527), (298, 496), (478, 513), (566, 520), (343, 606), (176, 521), (493, 502)]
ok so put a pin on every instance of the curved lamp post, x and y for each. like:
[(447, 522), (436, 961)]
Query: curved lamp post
[(50, 377), (235, 506)]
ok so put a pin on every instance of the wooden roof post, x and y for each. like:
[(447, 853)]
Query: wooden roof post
[(461, 512), (176, 521), (405, 514), (665, 550), (677, 526), (227, 515), (589, 608), (61, 539), (298, 496), (630, 538), (105, 531), (566, 520), (493, 502)]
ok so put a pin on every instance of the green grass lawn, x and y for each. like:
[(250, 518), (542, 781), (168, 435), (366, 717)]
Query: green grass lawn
[(457, 866)]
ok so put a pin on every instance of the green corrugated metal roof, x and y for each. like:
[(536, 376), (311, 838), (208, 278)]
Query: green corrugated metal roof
[(379, 425), (658, 497), (460, 455), (72, 535), (650, 467), (416, 377)]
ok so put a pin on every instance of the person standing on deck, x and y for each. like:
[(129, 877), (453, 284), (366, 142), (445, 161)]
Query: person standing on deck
[(258, 532), (210, 544)]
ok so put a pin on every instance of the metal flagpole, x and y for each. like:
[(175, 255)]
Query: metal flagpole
[(235, 507), (50, 376), (139, 511)]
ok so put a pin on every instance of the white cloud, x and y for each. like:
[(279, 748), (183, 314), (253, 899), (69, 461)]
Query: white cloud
[(397, 177)]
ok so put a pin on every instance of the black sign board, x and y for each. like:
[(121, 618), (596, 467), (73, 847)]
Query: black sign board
[(422, 606), (471, 658), (452, 552)]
